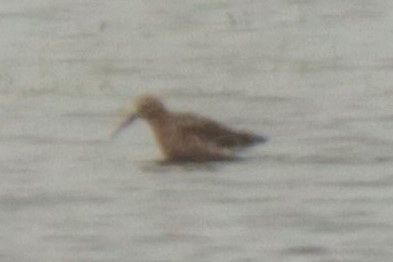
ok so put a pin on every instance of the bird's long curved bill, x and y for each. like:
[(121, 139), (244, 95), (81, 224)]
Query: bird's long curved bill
[(124, 124)]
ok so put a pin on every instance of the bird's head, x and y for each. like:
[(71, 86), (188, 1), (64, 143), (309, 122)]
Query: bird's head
[(147, 107)]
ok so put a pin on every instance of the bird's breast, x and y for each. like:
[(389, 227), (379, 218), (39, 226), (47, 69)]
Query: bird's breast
[(166, 135)]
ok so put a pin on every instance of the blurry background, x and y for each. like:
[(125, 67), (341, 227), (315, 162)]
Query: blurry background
[(314, 76)]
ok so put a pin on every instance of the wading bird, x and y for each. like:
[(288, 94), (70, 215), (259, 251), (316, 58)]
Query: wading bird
[(188, 137)]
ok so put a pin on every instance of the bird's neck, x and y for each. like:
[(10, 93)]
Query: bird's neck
[(160, 123), (162, 128)]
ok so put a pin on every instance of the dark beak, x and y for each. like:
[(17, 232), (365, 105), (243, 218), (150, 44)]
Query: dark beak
[(125, 124)]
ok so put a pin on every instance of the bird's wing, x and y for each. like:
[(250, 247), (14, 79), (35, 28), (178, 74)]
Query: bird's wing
[(213, 132), (200, 149)]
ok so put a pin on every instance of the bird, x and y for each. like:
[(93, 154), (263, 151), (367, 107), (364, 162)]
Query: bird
[(187, 137)]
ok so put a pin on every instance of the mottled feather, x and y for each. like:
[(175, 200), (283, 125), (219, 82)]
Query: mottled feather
[(214, 132)]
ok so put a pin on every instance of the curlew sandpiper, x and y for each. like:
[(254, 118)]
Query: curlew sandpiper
[(188, 137)]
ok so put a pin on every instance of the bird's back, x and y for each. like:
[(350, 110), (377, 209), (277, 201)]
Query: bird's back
[(214, 132)]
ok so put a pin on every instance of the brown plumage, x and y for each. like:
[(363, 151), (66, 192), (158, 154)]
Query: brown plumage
[(188, 137)]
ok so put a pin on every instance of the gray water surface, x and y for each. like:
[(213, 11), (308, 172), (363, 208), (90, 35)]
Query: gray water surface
[(314, 76)]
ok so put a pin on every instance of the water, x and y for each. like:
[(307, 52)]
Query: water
[(314, 76)]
